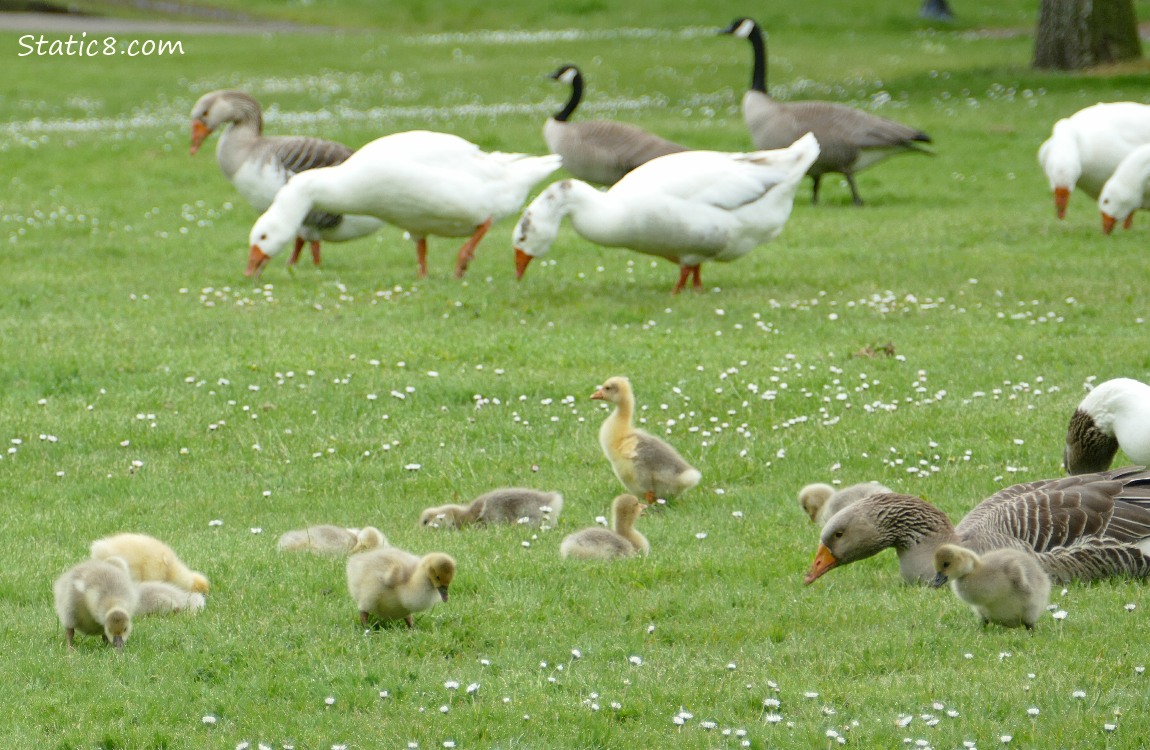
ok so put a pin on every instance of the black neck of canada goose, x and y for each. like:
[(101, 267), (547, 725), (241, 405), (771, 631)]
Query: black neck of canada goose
[(572, 74), (748, 28)]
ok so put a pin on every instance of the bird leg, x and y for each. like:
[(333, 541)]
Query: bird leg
[(696, 282), (410, 622), (650, 497), (295, 253), (854, 190), (315, 252), (467, 252), (815, 178), (688, 272), (421, 257), (363, 618), (69, 634)]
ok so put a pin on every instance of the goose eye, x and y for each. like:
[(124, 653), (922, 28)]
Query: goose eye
[(839, 534)]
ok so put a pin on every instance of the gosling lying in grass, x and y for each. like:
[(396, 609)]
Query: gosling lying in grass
[(597, 543), (97, 597), (391, 584), (161, 598), (332, 540), (149, 559), (1004, 586), (508, 505), (821, 501)]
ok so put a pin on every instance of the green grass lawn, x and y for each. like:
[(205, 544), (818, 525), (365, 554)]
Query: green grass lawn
[(146, 385)]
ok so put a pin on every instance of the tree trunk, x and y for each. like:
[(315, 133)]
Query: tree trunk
[(1076, 34)]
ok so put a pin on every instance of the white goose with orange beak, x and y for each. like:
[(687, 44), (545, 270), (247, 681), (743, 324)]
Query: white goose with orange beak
[(423, 182)]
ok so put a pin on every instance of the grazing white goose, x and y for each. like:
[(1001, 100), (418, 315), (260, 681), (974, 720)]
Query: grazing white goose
[(689, 207), (1083, 150), (390, 584), (851, 140), (622, 540), (600, 151), (426, 183), (97, 597), (1126, 190), (821, 501), (1081, 527), (1116, 414), (1004, 586), (259, 165)]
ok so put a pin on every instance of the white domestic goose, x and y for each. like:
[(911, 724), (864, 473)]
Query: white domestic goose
[(1083, 150), (426, 183), (259, 165), (689, 207), (599, 151), (1116, 414), (1125, 192), (851, 140)]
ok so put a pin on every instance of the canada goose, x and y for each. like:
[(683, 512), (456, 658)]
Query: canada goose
[(161, 598), (1084, 149), (1082, 527), (599, 151), (509, 505), (149, 559), (1116, 414), (390, 584), (1004, 586), (850, 140), (821, 501), (689, 207), (426, 183), (97, 597), (646, 465), (1126, 190), (259, 166), (597, 543), (325, 539)]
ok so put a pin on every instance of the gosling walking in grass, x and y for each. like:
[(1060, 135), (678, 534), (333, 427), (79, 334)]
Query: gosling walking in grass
[(97, 597), (1004, 586), (390, 584)]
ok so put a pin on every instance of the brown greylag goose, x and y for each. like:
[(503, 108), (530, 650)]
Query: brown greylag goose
[(259, 165), (646, 465), (97, 597), (390, 584), (426, 183), (1081, 527), (851, 140), (599, 151), (622, 540), (1116, 414), (509, 505), (149, 559), (821, 501), (1005, 586)]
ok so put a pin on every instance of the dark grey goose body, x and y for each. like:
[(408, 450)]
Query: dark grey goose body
[(1082, 527), (599, 151), (850, 140)]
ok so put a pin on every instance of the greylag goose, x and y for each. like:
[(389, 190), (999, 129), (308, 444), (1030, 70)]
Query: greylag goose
[(390, 584), (622, 540), (1116, 414), (509, 505), (689, 207), (646, 465), (97, 597), (160, 598), (1082, 527), (1126, 190), (426, 183), (326, 539), (1004, 586), (1084, 149), (149, 559), (821, 501), (599, 151), (259, 165), (851, 140)]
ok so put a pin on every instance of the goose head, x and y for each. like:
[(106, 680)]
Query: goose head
[(539, 225), (813, 497), (1118, 202), (117, 627), (440, 570), (626, 509), (1060, 159), (952, 562), (614, 390), (441, 516), (216, 108), (269, 236), (743, 28), (848, 536), (567, 74)]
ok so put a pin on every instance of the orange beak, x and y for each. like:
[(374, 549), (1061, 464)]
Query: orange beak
[(521, 261), (1108, 223), (598, 394), (256, 262), (200, 131), (823, 562), (1061, 199)]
